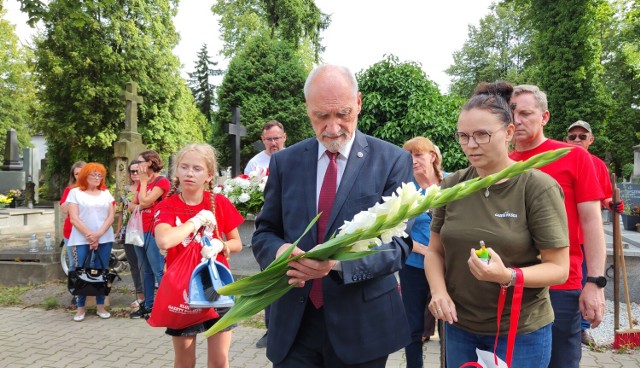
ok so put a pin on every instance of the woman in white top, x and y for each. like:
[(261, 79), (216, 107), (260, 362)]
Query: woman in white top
[(91, 209)]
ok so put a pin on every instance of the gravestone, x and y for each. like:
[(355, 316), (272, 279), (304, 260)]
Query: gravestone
[(129, 143), (629, 193), (12, 175), (31, 160), (235, 130), (635, 177)]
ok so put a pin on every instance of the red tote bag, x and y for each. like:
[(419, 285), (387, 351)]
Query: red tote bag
[(171, 307)]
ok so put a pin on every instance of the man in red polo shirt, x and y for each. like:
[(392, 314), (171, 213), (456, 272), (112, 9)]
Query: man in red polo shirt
[(576, 175)]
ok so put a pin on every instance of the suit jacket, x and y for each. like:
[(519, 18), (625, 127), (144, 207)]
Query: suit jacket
[(363, 311)]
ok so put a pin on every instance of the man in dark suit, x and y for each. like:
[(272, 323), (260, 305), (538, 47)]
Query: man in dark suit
[(342, 314)]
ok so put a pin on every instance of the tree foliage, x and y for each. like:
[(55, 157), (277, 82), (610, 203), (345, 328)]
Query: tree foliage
[(498, 49), (567, 49), (17, 90), (265, 79), (200, 83), (87, 53), (620, 33), (399, 102), (299, 22)]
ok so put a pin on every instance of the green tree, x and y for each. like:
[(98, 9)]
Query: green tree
[(567, 49), (399, 102), (297, 21), (87, 52), (200, 82), (265, 79), (497, 49), (620, 33), (17, 91)]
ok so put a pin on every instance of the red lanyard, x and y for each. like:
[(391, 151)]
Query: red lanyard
[(516, 304)]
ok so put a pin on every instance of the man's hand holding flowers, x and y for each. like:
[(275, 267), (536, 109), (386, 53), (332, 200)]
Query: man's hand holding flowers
[(305, 269)]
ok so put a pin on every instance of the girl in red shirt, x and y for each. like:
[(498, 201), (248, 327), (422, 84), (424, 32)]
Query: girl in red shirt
[(192, 204)]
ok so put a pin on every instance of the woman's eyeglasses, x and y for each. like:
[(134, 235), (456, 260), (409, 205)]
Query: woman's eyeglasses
[(133, 172), (96, 176), (572, 137)]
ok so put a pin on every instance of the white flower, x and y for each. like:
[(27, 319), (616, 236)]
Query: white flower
[(361, 221), (242, 183), (398, 231), (244, 197), (363, 245), (217, 190)]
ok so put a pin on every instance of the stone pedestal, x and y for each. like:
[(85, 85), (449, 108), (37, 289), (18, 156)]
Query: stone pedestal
[(246, 230), (20, 267)]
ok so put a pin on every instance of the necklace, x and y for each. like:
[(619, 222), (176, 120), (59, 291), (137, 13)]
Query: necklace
[(486, 192)]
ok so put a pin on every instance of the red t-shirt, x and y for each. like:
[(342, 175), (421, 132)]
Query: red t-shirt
[(577, 177), (602, 172), (174, 211), (147, 213), (66, 227)]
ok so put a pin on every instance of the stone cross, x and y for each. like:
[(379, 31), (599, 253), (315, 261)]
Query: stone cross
[(235, 130), (130, 95)]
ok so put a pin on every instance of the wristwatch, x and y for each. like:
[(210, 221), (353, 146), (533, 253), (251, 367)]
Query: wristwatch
[(600, 281)]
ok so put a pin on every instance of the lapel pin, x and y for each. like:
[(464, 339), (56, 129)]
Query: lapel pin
[(360, 154)]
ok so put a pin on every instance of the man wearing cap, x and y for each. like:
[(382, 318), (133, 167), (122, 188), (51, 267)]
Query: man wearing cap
[(582, 195), (580, 134)]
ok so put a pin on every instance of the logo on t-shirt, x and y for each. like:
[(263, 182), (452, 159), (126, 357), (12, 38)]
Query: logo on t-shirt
[(506, 214)]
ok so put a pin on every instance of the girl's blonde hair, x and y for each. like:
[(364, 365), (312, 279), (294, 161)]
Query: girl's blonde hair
[(208, 153)]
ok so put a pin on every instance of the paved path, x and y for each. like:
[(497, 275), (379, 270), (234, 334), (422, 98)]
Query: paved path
[(33, 337)]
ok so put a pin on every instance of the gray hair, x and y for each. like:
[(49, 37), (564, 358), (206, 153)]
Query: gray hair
[(538, 95), (339, 68)]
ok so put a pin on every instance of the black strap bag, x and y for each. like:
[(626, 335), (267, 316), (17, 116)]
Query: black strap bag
[(88, 281)]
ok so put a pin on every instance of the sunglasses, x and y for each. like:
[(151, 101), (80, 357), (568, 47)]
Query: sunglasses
[(572, 137), (133, 172)]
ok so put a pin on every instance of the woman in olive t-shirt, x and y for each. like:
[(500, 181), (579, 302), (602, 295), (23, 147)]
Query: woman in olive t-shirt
[(523, 222)]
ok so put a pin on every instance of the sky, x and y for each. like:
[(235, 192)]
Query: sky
[(360, 34)]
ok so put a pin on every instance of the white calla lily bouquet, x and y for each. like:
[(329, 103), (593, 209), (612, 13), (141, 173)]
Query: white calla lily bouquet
[(355, 239)]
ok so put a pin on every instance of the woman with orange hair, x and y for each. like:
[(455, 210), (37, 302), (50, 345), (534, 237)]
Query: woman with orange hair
[(91, 209)]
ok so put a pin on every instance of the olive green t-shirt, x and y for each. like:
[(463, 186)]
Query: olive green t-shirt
[(517, 218)]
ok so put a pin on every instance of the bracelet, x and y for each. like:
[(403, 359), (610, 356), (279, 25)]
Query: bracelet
[(511, 281)]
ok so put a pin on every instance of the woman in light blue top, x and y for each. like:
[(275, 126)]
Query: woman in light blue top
[(416, 295)]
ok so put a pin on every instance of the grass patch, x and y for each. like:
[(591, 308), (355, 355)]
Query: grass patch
[(12, 295), (255, 321), (51, 303)]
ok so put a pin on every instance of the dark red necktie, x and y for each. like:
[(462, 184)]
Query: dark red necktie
[(325, 202)]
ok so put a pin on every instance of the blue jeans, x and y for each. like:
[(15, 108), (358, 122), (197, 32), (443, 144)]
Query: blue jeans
[(104, 252), (152, 263), (415, 297), (69, 250), (531, 350), (567, 349)]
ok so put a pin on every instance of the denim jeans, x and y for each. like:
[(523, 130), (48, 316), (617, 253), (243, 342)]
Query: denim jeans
[(151, 262), (69, 250), (415, 297), (104, 252), (531, 350), (567, 349)]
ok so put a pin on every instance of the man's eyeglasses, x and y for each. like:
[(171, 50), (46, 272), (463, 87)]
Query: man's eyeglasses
[(274, 139), (133, 172), (96, 176), (480, 137), (572, 137)]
